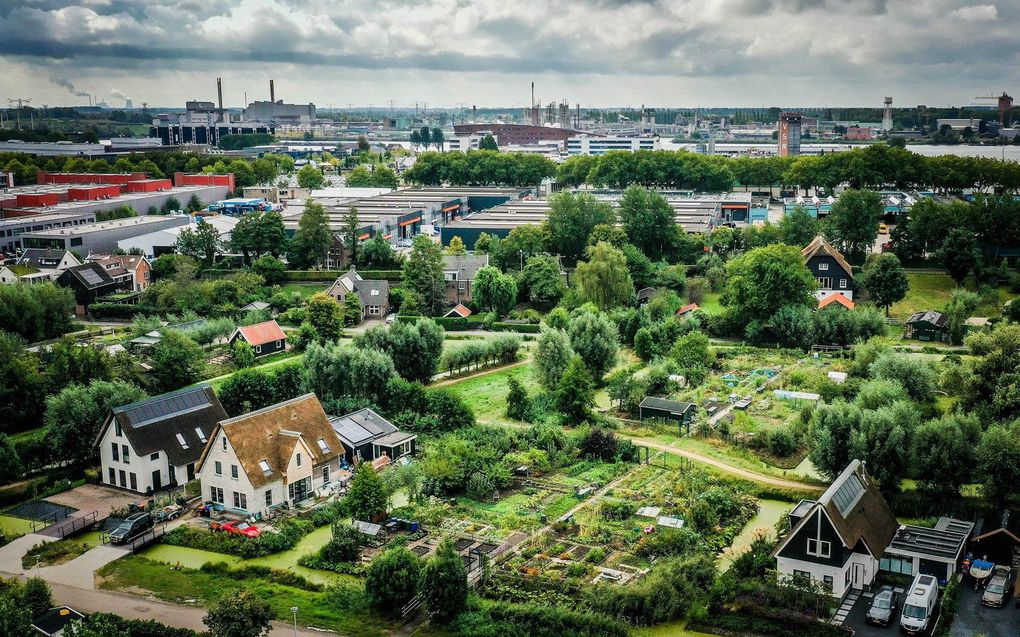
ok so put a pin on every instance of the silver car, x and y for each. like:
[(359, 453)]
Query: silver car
[(998, 588)]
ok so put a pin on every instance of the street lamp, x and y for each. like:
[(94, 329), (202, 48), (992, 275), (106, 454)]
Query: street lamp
[(293, 609)]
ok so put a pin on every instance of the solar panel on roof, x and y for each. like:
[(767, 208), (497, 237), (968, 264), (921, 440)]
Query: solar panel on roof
[(848, 494), (91, 276), (165, 406)]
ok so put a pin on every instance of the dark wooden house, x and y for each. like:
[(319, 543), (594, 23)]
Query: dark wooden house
[(663, 409), (89, 282), (830, 269), (927, 326), (265, 338)]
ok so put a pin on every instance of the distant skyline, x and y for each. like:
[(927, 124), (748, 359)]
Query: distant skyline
[(613, 53)]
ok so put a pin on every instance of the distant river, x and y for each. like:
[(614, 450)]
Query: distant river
[(996, 152)]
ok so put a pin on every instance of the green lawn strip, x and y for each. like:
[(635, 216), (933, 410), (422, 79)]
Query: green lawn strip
[(32, 434), (11, 525), (929, 291), (486, 395), (219, 380), (306, 290), (342, 609), (51, 553), (711, 303)]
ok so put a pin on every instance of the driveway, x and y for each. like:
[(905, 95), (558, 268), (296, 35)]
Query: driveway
[(93, 497), (973, 618)]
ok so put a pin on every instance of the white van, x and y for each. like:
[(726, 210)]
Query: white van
[(919, 605)]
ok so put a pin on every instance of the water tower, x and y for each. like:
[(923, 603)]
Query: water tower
[(887, 115)]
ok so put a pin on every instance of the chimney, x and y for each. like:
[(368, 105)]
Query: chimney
[(272, 92), (219, 91)]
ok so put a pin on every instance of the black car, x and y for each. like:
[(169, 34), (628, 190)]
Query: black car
[(132, 526), (883, 607)]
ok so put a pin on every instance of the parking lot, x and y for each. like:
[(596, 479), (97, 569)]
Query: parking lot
[(972, 618)]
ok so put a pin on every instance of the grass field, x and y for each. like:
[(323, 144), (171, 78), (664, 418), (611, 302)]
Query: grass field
[(486, 395), (711, 303), (305, 289), (11, 525), (932, 292)]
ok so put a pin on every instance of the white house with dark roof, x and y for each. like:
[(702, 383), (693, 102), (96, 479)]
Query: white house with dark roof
[(373, 294), (154, 443), (38, 265), (839, 539), (283, 453)]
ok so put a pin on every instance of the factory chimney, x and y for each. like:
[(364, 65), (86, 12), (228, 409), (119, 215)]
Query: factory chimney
[(272, 92), (887, 115), (474, 114), (219, 92)]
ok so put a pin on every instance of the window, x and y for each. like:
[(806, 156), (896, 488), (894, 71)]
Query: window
[(846, 578), (117, 429), (219, 468), (299, 459), (842, 284), (903, 566), (134, 482), (819, 548), (258, 349), (233, 471), (240, 501), (224, 443), (324, 446), (154, 456), (802, 575), (828, 581), (76, 242), (124, 454), (123, 478), (825, 282), (113, 477), (216, 495), (822, 267), (201, 435), (325, 474), (182, 442), (269, 497), (115, 449), (277, 344), (266, 469)]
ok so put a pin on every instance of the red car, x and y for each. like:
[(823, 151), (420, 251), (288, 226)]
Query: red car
[(240, 527)]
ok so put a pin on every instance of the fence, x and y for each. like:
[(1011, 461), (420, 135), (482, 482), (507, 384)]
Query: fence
[(49, 519), (78, 524)]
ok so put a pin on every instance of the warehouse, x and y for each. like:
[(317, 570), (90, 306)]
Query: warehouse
[(99, 237)]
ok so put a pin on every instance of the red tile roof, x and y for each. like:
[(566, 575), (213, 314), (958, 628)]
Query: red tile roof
[(262, 333), (687, 308), (836, 298), (460, 311)]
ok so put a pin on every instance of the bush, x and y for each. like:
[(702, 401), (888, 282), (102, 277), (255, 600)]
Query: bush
[(523, 328), (536, 620), (287, 535), (117, 311)]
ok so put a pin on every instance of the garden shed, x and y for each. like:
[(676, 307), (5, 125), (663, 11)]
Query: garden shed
[(927, 326), (663, 409)]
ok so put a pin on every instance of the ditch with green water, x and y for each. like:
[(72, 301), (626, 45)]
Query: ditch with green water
[(769, 512)]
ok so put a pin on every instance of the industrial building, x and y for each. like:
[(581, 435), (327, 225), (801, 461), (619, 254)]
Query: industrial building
[(695, 213), (110, 148), (11, 230), (516, 134), (164, 241), (86, 239), (585, 145), (789, 134)]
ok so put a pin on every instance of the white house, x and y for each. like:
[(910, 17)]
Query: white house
[(839, 539), (155, 443), (38, 265), (282, 453)]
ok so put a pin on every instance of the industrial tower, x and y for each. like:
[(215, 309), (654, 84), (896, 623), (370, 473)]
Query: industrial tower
[(887, 115)]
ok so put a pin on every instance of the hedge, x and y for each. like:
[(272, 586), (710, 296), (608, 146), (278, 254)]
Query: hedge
[(523, 328), (450, 323), (119, 311), (331, 275)]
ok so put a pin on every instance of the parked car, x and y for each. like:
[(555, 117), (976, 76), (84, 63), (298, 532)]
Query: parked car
[(883, 607), (404, 243), (132, 526), (919, 605), (240, 527), (391, 318), (998, 588)]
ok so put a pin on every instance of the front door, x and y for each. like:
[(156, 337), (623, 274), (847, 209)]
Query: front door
[(298, 490), (859, 573), (157, 484), (191, 471)]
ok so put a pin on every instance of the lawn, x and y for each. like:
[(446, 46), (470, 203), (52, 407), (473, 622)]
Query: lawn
[(51, 553), (932, 291), (11, 525), (486, 395), (711, 303), (341, 609), (305, 289)]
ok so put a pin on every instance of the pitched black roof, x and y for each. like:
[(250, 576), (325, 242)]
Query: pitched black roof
[(91, 275), (668, 405), (154, 424), (937, 319), (41, 257)]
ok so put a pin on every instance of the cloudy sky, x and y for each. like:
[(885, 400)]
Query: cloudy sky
[(486, 52)]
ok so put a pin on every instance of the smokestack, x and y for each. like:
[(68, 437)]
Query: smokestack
[(219, 92), (272, 92), (474, 114)]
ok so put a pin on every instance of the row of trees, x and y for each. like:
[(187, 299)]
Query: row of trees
[(479, 168), (875, 166)]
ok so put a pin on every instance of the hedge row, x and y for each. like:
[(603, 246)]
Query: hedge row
[(523, 328), (118, 311), (330, 275), (450, 324)]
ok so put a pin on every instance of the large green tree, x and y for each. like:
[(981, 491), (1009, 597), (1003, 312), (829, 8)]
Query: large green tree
[(177, 361), (201, 244), (649, 221), (313, 238), (798, 227), (259, 233), (595, 339), (391, 580), (763, 280), (830, 433), (494, 291), (944, 453), (884, 279), (326, 316), (75, 414), (604, 278), (423, 275), (959, 254), (23, 390), (542, 281), (239, 614), (339, 371), (852, 225), (575, 395), (415, 348), (443, 585), (367, 498), (552, 355), (571, 220), (310, 178)]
